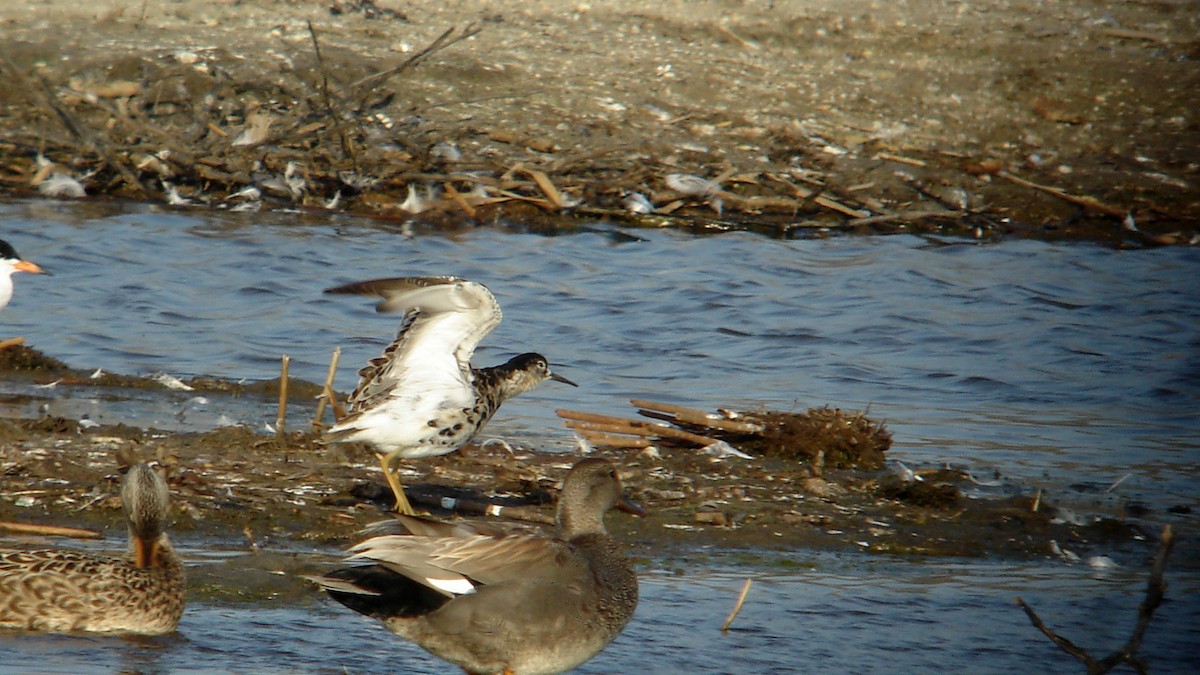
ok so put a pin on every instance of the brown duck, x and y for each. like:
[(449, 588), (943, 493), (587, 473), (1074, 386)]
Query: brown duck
[(502, 603), (61, 590)]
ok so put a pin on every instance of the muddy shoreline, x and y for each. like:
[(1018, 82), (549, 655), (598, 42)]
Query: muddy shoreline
[(255, 491), (1063, 121)]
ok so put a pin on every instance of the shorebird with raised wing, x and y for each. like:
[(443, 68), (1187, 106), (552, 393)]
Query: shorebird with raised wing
[(423, 397)]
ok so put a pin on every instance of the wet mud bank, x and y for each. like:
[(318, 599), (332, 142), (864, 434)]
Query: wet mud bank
[(254, 491), (1065, 121)]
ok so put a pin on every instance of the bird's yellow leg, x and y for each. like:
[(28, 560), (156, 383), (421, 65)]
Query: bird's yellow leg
[(402, 505)]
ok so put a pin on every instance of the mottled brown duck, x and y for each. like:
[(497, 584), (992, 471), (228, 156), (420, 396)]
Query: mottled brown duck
[(61, 590), (502, 603)]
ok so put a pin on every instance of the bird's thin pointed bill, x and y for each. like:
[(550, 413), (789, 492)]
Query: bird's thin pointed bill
[(31, 267), (559, 378)]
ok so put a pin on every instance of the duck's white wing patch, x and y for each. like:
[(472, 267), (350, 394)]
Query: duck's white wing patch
[(455, 586)]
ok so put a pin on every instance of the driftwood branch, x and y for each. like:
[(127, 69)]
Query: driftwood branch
[(586, 421), (1127, 654), (679, 413)]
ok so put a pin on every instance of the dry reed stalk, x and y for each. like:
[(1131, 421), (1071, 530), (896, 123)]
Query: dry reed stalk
[(737, 607), (327, 395), (281, 419), (49, 530), (635, 427), (613, 440), (547, 187)]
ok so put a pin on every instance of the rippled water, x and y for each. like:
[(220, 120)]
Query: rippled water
[(1064, 368), (845, 614)]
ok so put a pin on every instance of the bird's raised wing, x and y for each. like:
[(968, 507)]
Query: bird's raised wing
[(444, 320)]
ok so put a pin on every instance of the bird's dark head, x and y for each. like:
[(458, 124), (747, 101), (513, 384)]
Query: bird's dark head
[(517, 376), (13, 262), (536, 367)]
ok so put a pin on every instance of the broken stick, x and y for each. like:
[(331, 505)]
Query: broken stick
[(49, 530)]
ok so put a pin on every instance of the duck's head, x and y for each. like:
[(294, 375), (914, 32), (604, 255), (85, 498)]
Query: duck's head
[(591, 489), (146, 499)]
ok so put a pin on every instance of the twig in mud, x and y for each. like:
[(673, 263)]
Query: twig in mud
[(526, 94), (327, 395), (911, 161), (737, 606), (443, 41), (312, 33), (457, 197), (741, 40), (281, 419), (334, 118), (1086, 202), (1155, 589), (50, 530), (815, 197)]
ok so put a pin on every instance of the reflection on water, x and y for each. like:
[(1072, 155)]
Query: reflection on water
[(846, 614), (1064, 368)]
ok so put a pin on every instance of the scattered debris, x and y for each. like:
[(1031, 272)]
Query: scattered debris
[(821, 437), (343, 117)]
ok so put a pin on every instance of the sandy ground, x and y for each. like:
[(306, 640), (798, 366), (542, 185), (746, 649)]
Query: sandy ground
[(1073, 119)]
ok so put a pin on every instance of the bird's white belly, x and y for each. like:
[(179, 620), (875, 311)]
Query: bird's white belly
[(415, 428)]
